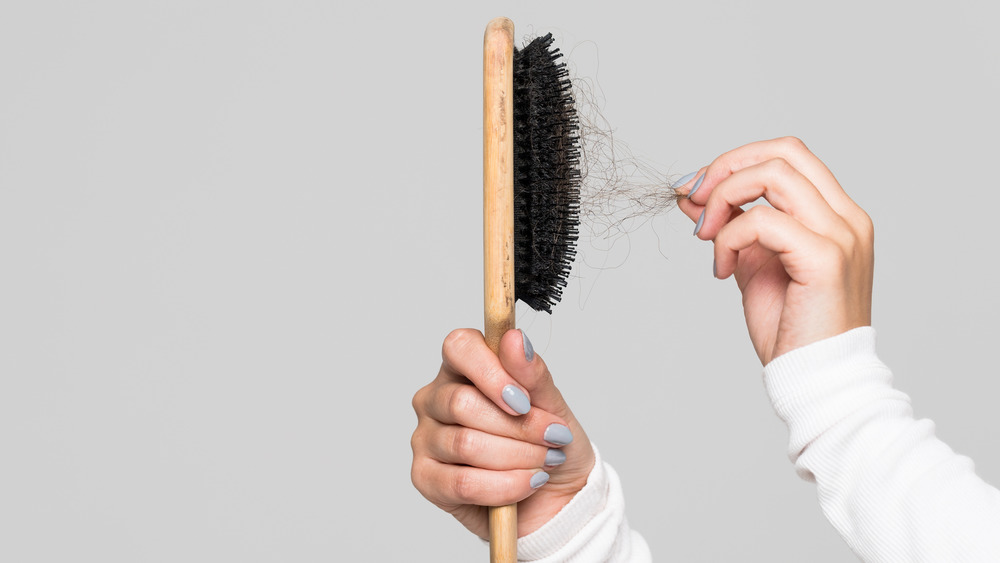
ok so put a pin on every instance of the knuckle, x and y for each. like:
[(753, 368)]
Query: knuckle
[(462, 402), (844, 237), (756, 215), (865, 228), (454, 342), (420, 399), (465, 485), (779, 167), (465, 444), (792, 144), (834, 256), (418, 476)]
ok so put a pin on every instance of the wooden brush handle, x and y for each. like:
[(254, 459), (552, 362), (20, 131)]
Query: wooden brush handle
[(498, 227)]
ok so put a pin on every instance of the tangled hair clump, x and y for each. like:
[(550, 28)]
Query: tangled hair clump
[(569, 172), (619, 190)]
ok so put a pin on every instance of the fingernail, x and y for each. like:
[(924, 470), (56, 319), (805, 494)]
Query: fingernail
[(701, 220), (516, 399), (529, 350), (558, 434), (683, 180), (555, 457), (715, 272), (696, 186), (539, 479)]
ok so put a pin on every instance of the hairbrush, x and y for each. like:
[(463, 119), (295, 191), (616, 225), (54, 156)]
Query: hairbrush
[(531, 197)]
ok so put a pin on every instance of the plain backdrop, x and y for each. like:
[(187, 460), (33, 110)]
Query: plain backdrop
[(233, 235)]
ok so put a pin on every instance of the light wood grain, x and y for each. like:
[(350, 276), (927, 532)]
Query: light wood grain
[(498, 228)]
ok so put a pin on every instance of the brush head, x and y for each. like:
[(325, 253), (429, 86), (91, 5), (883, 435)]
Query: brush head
[(546, 174)]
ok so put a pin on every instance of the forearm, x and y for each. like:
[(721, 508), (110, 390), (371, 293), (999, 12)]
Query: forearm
[(887, 484)]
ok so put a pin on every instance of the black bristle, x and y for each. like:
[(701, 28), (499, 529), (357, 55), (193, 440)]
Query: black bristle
[(546, 174)]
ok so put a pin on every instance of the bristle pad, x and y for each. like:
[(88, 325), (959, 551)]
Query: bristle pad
[(546, 174)]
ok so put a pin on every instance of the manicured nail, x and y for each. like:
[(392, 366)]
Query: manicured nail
[(558, 434), (539, 479), (701, 220), (684, 179), (696, 186), (555, 457), (516, 399), (529, 350), (715, 272)]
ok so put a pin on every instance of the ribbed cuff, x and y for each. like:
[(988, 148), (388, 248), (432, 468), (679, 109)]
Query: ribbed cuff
[(815, 386), (569, 521)]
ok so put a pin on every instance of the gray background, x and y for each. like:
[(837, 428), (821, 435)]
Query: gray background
[(234, 234)]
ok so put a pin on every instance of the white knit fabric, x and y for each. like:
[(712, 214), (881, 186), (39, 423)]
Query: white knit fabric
[(886, 483), (891, 488), (591, 528)]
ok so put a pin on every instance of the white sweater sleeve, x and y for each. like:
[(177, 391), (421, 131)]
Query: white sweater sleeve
[(891, 488), (591, 528)]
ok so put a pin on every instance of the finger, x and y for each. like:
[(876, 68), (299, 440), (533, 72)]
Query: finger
[(694, 211), (447, 484), (690, 208), (792, 150), (805, 255), (467, 356), (460, 445), (689, 184), (464, 405), (782, 186)]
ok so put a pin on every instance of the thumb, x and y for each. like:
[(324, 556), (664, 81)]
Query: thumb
[(527, 368)]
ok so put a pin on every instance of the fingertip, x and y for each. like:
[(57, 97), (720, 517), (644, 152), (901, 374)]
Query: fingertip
[(514, 346), (683, 181), (690, 208), (529, 350), (696, 186), (558, 435), (700, 223), (554, 457), (538, 479), (516, 399), (510, 342)]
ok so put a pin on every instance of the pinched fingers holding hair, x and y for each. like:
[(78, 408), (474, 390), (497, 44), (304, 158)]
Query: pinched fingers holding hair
[(790, 149), (804, 265), (784, 172)]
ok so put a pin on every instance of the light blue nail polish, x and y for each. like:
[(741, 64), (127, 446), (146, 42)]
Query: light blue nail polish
[(529, 350), (539, 479), (701, 221), (715, 271), (516, 399), (696, 186), (555, 457), (683, 180), (558, 434)]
